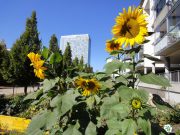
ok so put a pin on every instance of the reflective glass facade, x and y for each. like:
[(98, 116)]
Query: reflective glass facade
[(80, 46)]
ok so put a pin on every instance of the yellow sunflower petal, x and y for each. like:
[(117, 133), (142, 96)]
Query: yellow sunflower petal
[(111, 45), (130, 27)]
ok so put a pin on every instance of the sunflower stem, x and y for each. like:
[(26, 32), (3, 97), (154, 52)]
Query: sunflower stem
[(119, 60), (118, 57), (133, 113), (134, 70)]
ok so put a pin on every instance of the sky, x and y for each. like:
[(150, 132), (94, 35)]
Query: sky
[(64, 17)]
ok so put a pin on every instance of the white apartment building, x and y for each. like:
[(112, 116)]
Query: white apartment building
[(164, 21), (148, 49)]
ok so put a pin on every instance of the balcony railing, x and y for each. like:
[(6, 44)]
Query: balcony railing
[(168, 40), (161, 16)]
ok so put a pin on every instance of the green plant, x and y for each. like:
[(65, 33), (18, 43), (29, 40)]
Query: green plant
[(177, 132), (14, 105), (97, 103), (175, 117)]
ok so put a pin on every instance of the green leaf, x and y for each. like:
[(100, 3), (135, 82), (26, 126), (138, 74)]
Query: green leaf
[(91, 129), (113, 132), (44, 120), (82, 74), (97, 99), (68, 100), (64, 103), (144, 125), (134, 49), (121, 79), (55, 131), (106, 84), (122, 109), (55, 58), (114, 124), (49, 84), (153, 111), (116, 52), (90, 101), (127, 65), (56, 101), (112, 66), (154, 79), (129, 127), (35, 132), (102, 76), (34, 95), (125, 93), (142, 94), (108, 102), (45, 52), (72, 130)]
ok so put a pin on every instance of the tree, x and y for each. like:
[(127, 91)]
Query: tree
[(53, 44), (67, 57), (32, 36), (88, 68), (28, 42), (4, 61), (76, 61), (81, 64), (81, 61), (2, 50)]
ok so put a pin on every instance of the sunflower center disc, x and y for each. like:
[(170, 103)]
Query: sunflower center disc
[(130, 29)]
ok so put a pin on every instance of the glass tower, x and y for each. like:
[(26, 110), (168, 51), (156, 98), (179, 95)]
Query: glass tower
[(80, 46)]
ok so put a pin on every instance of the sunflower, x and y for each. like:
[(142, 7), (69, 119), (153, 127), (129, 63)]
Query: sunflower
[(34, 57), (37, 63), (39, 71), (136, 103), (130, 27), (92, 87), (80, 82), (89, 86), (112, 46)]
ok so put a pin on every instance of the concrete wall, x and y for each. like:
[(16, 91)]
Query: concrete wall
[(170, 94)]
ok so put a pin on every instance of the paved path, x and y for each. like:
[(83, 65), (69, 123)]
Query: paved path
[(17, 90)]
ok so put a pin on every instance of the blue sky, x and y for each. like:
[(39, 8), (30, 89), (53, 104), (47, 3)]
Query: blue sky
[(64, 17)]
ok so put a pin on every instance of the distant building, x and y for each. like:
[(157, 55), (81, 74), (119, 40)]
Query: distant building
[(80, 46)]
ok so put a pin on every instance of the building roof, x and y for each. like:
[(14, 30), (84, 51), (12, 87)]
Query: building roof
[(84, 35)]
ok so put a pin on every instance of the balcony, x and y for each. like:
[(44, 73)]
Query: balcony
[(169, 43), (165, 11), (161, 16)]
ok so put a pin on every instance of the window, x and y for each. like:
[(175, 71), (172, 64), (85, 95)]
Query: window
[(160, 6), (161, 31), (174, 18)]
